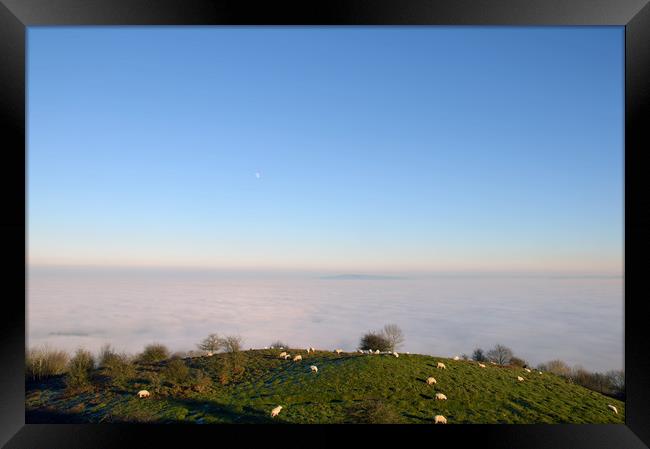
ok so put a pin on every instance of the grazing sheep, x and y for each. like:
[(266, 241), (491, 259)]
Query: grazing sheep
[(527, 370), (431, 381), (338, 351), (297, 358), (377, 351), (282, 354), (395, 354), (611, 407), (441, 365), (143, 394), (481, 365), (312, 349), (441, 397), (540, 372), (314, 369), (287, 356), (407, 353), (266, 347), (520, 379), (456, 358), (209, 354), (493, 363), (276, 411), (439, 419)]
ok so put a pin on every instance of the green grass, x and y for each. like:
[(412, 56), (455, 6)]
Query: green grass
[(345, 388)]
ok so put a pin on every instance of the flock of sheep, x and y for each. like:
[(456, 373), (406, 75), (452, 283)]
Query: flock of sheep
[(438, 419)]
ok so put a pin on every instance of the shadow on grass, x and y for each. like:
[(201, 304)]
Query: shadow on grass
[(419, 418), (53, 417), (226, 413)]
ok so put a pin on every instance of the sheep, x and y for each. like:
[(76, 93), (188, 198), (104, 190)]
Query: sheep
[(143, 394), (407, 353), (282, 354), (527, 370), (395, 354), (312, 349), (276, 411), (209, 354), (431, 380), (338, 351), (520, 379), (540, 372), (441, 365), (440, 397), (314, 368), (481, 365), (297, 358), (493, 363), (439, 419), (377, 351), (287, 356), (456, 358), (611, 407)]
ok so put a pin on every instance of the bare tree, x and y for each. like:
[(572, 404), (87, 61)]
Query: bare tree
[(374, 341), (211, 343), (557, 367), (232, 343), (235, 359), (278, 344), (500, 354), (478, 355), (616, 381), (394, 335)]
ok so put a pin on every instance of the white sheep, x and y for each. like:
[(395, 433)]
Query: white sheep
[(441, 365), (407, 353), (287, 356), (143, 394), (520, 379), (540, 372), (338, 351), (611, 407), (431, 380), (439, 419), (282, 354), (312, 349), (314, 369), (395, 354), (209, 354), (297, 358), (377, 351), (276, 411), (456, 358), (481, 365), (493, 363), (527, 370), (441, 397)]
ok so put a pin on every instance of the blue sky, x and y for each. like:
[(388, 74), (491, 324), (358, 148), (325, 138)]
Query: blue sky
[(378, 149)]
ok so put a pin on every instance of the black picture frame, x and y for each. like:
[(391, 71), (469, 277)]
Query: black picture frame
[(16, 15)]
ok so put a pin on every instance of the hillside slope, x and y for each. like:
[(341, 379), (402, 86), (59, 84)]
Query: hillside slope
[(351, 387)]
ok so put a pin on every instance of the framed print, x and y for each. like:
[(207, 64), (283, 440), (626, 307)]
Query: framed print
[(346, 218)]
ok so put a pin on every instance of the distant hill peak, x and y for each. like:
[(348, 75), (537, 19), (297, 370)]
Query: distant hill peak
[(351, 277)]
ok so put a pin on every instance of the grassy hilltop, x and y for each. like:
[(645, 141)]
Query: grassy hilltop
[(348, 388)]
